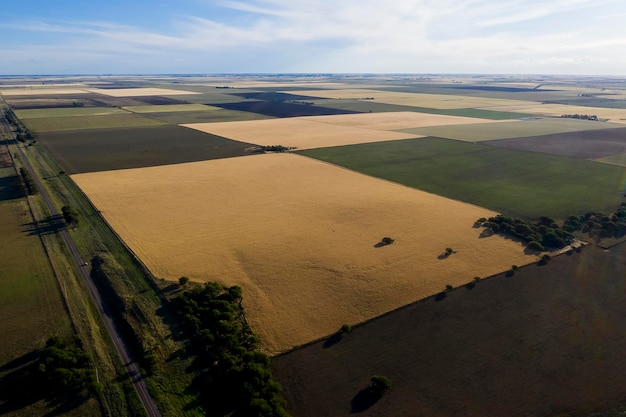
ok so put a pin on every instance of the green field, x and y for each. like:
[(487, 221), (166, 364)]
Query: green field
[(169, 108), (219, 115), (67, 112), (521, 184), (513, 129), (55, 124)]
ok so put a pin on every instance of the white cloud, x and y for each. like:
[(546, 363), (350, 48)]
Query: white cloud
[(362, 36)]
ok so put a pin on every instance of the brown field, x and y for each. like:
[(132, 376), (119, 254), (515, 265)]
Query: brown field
[(587, 144), (299, 236), (433, 101), (610, 114), (548, 341), (139, 92), (297, 132)]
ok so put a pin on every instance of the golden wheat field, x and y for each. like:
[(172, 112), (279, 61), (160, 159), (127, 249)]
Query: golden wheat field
[(297, 132), (299, 236), (433, 101)]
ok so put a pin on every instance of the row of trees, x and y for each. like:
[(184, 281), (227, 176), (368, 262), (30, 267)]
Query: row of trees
[(599, 224), (27, 179), (542, 235), (235, 378), (580, 116)]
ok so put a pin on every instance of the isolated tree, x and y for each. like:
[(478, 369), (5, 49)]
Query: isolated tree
[(182, 281), (379, 385), (70, 216)]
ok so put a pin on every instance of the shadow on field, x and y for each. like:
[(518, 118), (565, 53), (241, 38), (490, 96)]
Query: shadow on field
[(363, 400), (10, 188), (47, 226), (333, 339)]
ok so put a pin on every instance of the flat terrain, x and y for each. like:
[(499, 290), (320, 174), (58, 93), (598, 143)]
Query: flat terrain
[(168, 108), (520, 184), (102, 121), (298, 132), (511, 129), (609, 114), (434, 101), (589, 144), (280, 108), (299, 236), (138, 92), (547, 341), (619, 159), (110, 149)]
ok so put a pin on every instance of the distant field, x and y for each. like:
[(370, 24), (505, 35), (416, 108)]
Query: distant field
[(168, 108), (521, 184), (135, 92), (220, 115), (512, 129), (612, 115), (280, 108), (119, 148), (68, 112), (434, 101), (299, 236), (52, 124), (41, 91), (298, 132), (589, 144)]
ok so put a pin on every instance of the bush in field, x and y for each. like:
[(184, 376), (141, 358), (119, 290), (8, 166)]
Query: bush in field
[(379, 385), (70, 216), (346, 328), (182, 281)]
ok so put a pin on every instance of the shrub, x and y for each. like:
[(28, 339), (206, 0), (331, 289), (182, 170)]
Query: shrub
[(346, 328), (379, 385)]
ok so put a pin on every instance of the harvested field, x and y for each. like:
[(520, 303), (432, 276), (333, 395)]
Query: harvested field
[(619, 159), (280, 109), (589, 144), (139, 92), (547, 341), (299, 132), (220, 115), (519, 184), (394, 120), (556, 110), (109, 149), (512, 129), (169, 108), (55, 124), (434, 101), (299, 236)]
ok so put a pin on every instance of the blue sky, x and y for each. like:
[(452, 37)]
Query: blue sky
[(354, 36)]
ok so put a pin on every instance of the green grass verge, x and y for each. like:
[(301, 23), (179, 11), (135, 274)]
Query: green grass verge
[(520, 184)]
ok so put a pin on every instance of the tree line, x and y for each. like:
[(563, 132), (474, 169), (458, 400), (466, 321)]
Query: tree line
[(540, 236)]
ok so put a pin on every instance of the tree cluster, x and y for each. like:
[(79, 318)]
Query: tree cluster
[(539, 236), (599, 224), (235, 378), (29, 184), (276, 148), (70, 216), (580, 116), (65, 369)]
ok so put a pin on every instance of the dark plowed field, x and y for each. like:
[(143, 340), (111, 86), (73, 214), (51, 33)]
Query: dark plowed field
[(275, 96), (547, 340), (108, 149), (282, 109), (588, 144)]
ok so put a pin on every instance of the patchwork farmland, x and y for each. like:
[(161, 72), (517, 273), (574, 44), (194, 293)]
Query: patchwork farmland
[(196, 176)]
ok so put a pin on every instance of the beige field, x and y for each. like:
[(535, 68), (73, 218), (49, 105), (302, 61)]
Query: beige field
[(433, 101), (297, 132), (167, 108), (138, 92), (398, 120), (41, 91), (299, 236), (619, 159), (611, 114)]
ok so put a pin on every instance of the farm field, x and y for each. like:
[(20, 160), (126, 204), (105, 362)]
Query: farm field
[(520, 184), (107, 121), (67, 112), (212, 116), (168, 108), (299, 132), (434, 101), (512, 129), (139, 92), (279, 108), (589, 144), (547, 341), (610, 114), (110, 149), (614, 160), (299, 236)]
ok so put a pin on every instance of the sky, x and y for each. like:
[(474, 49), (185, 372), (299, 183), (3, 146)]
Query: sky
[(586, 37)]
